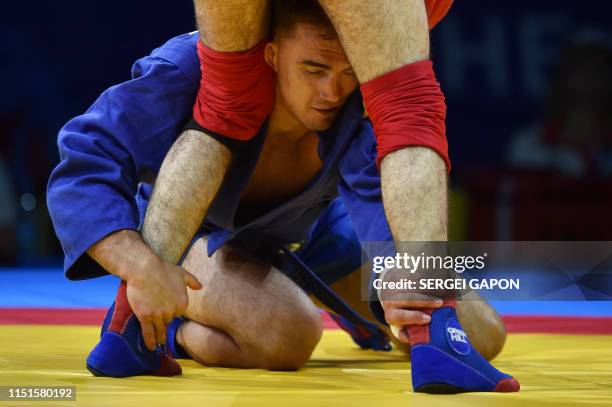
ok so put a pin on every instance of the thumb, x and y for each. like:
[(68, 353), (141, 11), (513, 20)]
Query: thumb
[(191, 281)]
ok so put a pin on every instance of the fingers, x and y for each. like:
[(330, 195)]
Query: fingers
[(148, 334), (401, 317), (400, 333), (168, 318), (160, 331), (154, 330), (191, 281), (408, 312), (403, 335)]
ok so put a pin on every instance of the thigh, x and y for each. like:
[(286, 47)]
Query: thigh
[(253, 302)]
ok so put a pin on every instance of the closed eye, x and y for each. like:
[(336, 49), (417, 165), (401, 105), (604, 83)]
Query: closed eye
[(314, 67), (313, 71)]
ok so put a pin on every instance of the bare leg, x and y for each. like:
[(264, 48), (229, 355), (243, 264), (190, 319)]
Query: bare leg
[(248, 314)]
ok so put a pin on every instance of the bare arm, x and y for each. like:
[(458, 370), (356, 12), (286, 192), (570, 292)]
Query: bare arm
[(189, 178), (195, 166), (380, 37), (414, 187), (232, 25), (187, 183), (415, 194)]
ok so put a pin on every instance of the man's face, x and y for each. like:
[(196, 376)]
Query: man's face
[(314, 77)]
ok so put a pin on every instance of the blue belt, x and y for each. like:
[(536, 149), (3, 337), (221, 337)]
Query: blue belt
[(377, 339)]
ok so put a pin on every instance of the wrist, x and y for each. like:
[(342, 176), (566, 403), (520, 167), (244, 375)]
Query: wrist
[(120, 253)]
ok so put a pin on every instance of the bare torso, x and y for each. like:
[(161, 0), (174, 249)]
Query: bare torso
[(283, 170)]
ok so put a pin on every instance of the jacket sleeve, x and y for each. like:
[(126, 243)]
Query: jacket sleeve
[(360, 189), (106, 152)]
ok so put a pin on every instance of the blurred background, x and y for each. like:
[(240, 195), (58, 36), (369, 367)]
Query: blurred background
[(528, 86)]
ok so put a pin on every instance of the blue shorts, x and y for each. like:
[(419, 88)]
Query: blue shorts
[(332, 251)]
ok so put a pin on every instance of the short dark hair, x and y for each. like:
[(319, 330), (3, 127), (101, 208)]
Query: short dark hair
[(287, 13)]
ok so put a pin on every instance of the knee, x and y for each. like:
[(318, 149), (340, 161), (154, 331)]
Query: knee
[(483, 325), (493, 340), (292, 345)]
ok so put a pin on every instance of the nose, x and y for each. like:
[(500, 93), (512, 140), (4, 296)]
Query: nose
[(330, 89)]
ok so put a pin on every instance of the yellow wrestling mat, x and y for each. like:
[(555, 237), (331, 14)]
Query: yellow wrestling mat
[(554, 370)]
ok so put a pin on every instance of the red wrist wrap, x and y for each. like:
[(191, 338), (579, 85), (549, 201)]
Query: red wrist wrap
[(236, 91), (407, 108), (420, 333)]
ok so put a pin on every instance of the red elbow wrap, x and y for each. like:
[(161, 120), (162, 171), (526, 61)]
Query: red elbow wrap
[(236, 91), (407, 108)]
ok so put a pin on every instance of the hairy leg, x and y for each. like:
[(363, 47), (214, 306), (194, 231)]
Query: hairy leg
[(248, 314), (481, 322)]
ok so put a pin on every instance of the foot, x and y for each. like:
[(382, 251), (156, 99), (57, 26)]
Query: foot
[(444, 361), (121, 351)]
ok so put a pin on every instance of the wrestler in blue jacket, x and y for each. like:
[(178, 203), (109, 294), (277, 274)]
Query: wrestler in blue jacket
[(111, 154)]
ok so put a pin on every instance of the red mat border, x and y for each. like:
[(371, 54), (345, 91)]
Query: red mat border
[(514, 323)]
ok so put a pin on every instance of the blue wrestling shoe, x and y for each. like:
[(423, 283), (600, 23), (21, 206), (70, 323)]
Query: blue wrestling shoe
[(444, 361), (365, 340), (121, 351)]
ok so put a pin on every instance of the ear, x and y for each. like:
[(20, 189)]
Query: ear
[(271, 55)]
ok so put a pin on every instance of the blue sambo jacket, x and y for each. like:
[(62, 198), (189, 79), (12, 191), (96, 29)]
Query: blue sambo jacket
[(110, 154)]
